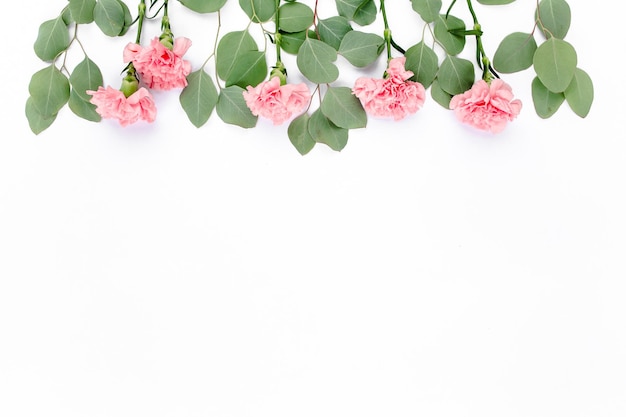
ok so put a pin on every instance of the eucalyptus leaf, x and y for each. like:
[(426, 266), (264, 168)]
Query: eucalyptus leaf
[(333, 29), (555, 63), (362, 12), (291, 42), (258, 10), (456, 75), (554, 17), (299, 136), (82, 108), (322, 130), (231, 46), (203, 6), (110, 17), (250, 69), (36, 121), (453, 44), (495, 2), (128, 19), (427, 9), (49, 89), (579, 93), (52, 39), (361, 48), (232, 109), (546, 102), (423, 62), (343, 108), (86, 76), (315, 61), (515, 53), (82, 10), (439, 96), (295, 17), (199, 97)]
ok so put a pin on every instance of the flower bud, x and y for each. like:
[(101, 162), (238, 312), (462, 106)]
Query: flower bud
[(130, 84), (167, 39), (279, 71)]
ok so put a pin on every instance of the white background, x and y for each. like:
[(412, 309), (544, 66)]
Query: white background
[(426, 270)]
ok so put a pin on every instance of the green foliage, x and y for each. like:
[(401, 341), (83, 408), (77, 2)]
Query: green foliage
[(427, 9), (515, 53), (299, 136), (315, 61), (232, 109), (360, 48), (203, 6), (343, 109), (110, 16), (554, 17), (333, 29), (295, 17), (82, 10), (199, 98), (52, 39), (555, 62), (423, 62), (453, 44)]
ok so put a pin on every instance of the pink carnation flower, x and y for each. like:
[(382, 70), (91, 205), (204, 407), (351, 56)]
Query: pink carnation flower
[(277, 102), (394, 96), (159, 67), (487, 106), (112, 104)]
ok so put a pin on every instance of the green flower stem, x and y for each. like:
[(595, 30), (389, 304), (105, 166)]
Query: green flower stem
[(140, 18), (277, 35), (387, 33)]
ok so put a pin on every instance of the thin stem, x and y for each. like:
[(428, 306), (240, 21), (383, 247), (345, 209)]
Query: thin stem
[(387, 33)]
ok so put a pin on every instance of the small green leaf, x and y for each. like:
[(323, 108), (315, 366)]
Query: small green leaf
[(203, 6), (109, 17), (295, 17), (250, 69), (322, 130), (82, 10), (199, 98), (361, 48), (52, 39), (232, 109), (333, 29), (49, 90), (545, 101), (232, 46), (258, 10), (291, 42), (315, 61), (86, 76), (456, 75), (554, 17), (299, 136), (343, 108), (555, 62), (515, 53), (440, 96), (423, 62), (82, 108), (453, 44), (427, 9), (579, 93), (36, 121), (495, 2)]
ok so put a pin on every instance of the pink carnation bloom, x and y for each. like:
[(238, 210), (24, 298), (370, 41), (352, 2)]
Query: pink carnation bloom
[(487, 106), (393, 96), (112, 104), (159, 67), (277, 102)]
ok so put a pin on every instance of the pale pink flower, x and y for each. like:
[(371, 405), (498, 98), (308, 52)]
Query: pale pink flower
[(112, 104), (277, 102), (487, 106), (159, 67), (393, 96)]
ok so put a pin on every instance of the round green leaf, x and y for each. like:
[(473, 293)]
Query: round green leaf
[(258, 10), (291, 42), (555, 62), (199, 97), (495, 2), (440, 96), (203, 6), (515, 53), (545, 101), (232, 109), (315, 61), (322, 130), (231, 46), (299, 136), (579, 93), (342, 108), (86, 76), (52, 39), (295, 17), (453, 44), (423, 62), (362, 12), (49, 90), (333, 29), (109, 17), (250, 69), (82, 10), (82, 108), (361, 48), (554, 17), (427, 9), (36, 121), (456, 75)]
